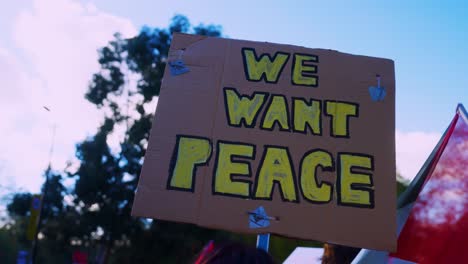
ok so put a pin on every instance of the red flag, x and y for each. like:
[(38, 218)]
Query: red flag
[(437, 228)]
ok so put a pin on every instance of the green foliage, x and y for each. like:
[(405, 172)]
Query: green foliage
[(8, 245), (401, 187), (402, 184), (20, 204)]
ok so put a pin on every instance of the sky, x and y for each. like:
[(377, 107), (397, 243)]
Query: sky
[(48, 53)]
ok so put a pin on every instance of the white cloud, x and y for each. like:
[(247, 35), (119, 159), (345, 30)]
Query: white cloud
[(412, 150), (18, 139), (59, 41)]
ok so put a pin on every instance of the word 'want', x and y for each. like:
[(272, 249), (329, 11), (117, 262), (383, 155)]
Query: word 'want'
[(233, 175), (304, 115)]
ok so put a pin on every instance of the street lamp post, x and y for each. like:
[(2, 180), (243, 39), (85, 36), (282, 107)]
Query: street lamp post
[(44, 194)]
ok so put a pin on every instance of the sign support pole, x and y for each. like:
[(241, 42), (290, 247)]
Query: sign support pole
[(263, 241)]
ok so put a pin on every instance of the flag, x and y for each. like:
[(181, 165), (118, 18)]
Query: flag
[(433, 211), (35, 211)]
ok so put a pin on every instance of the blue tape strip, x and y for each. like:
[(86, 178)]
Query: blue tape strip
[(377, 93), (263, 241), (178, 67), (259, 218)]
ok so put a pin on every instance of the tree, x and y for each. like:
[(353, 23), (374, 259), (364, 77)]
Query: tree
[(54, 240), (96, 214), (125, 89), (19, 205), (13, 233)]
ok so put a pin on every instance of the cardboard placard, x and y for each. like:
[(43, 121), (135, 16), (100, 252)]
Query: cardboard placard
[(266, 138)]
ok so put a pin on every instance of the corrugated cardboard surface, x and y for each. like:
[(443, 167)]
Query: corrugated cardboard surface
[(193, 104)]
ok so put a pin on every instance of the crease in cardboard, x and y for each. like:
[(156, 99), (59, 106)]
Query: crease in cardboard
[(191, 44), (184, 40), (196, 42), (215, 112)]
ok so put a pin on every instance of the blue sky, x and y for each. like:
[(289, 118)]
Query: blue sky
[(48, 54)]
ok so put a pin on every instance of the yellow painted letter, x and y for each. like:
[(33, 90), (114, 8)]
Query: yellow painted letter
[(242, 109), (225, 168), (189, 153), (303, 74), (355, 189), (277, 111), (276, 167), (266, 68), (340, 113), (311, 189), (307, 115)]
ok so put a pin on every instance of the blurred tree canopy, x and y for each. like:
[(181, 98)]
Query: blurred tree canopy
[(94, 215)]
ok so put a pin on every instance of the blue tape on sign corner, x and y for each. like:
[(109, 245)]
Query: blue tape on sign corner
[(178, 67), (377, 93), (259, 218)]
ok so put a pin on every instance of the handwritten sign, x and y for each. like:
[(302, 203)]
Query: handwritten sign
[(296, 134)]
